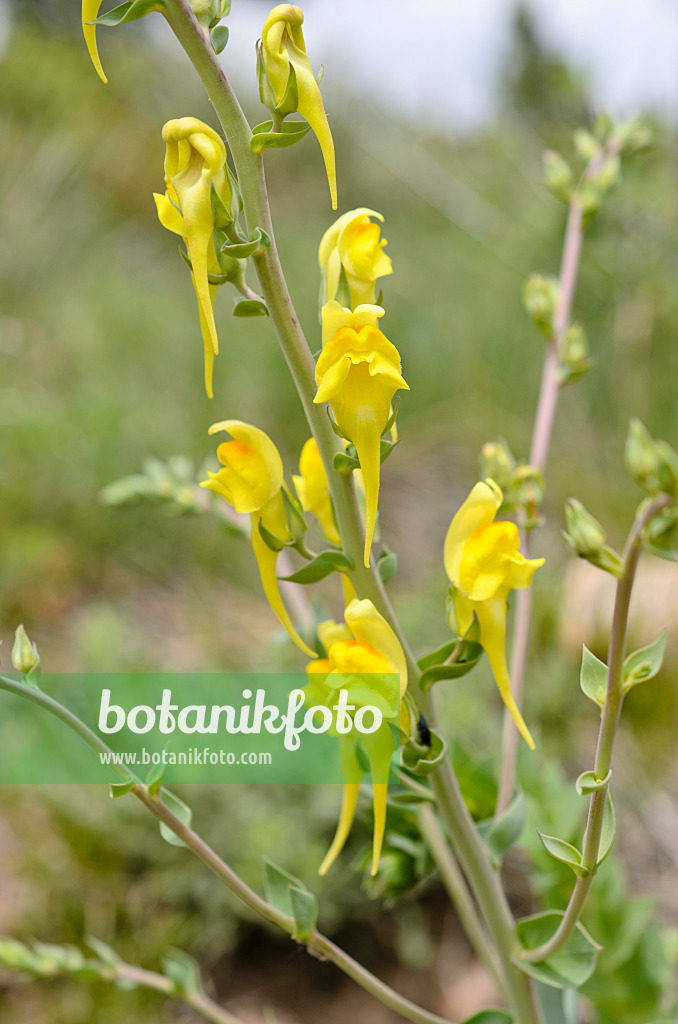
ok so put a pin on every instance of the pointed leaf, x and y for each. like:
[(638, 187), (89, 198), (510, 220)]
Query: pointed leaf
[(127, 12), (183, 813), (154, 779), (104, 952), (490, 1017), (320, 567), (290, 132), (644, 664), (423, 758), (563, 852), (278, 886), (506, 830), (608, 831), (241, 250), (593, 677), (587, 782), (304, 911), (574, 962), (183, 971), (469, 657)]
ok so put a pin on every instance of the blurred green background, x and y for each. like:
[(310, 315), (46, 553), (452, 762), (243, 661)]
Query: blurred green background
[(101, 368)]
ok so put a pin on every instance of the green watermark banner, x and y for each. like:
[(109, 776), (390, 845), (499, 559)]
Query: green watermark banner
[(269, 728)]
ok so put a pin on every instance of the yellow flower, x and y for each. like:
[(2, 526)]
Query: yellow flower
[(251, 481), (194, 158), (90, 10), (284, 53), (483, 563), (366, 646), (354, 243), (313, 490), (171, 218), (358, 373)]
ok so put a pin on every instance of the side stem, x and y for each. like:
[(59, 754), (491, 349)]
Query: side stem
[(614, 699)]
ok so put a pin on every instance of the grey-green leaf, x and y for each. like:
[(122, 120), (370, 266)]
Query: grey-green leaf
[(249, 307), (587, 783), (183, 971), (644, 664), (182, 811), (304, 911), (490, 1017), (608, 830), (563, 852), (321, 566), (506, 830), (593, 677), (219, 38), (571, 966)]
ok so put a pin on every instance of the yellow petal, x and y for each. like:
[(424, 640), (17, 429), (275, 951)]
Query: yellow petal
[(311, 108), (334, 317), (207, 340), (486, 561), (331, 632), (492, 620), (478, 510), (369, 626), (330, 239), (168, 215), (379, 796), (90, 10), (313, 490), (348, 804), (266, 561), (266, 474)]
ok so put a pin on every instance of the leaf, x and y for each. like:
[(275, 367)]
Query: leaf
[(268, 538), (506, 830), (439, 655), (563, 852), (241, 250), (490, 1017), (154, 779), (593, 677), (644, 664), (608, 831), (422, 759), (290, 132), (291, 897), (587, 783), (127, 12), (321, 566), (183, 971), (571, 966), (409, 798), (122, 788), (219, 38), (105, 953), (305, 913), (387, 564), (182, 811), (559, 1006), (249, 307), (470, 656)]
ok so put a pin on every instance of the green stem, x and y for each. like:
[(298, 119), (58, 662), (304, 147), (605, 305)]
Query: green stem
[(198, 1001), (456, 888), (614, 699), (317, 943), (249, 168)]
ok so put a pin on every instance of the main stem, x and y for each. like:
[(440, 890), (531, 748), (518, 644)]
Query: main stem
[(614, 699), (249, 167)]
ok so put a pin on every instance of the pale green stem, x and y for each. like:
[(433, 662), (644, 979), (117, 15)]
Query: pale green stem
[(249, 167), (614, 699), (455, 886), (547, 404), (317, 943), (198, 1001)]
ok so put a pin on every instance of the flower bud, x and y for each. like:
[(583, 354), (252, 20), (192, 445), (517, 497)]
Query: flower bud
[(541, 296), (25, 657), (497, 462), (558, 175), (584, 533), (652, 464)]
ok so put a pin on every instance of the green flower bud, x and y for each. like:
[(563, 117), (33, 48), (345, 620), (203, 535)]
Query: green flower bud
[(584, 533), (652, 464), (497, 462), (541, 296), (25, 657), (558, 175), (585, 144)]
